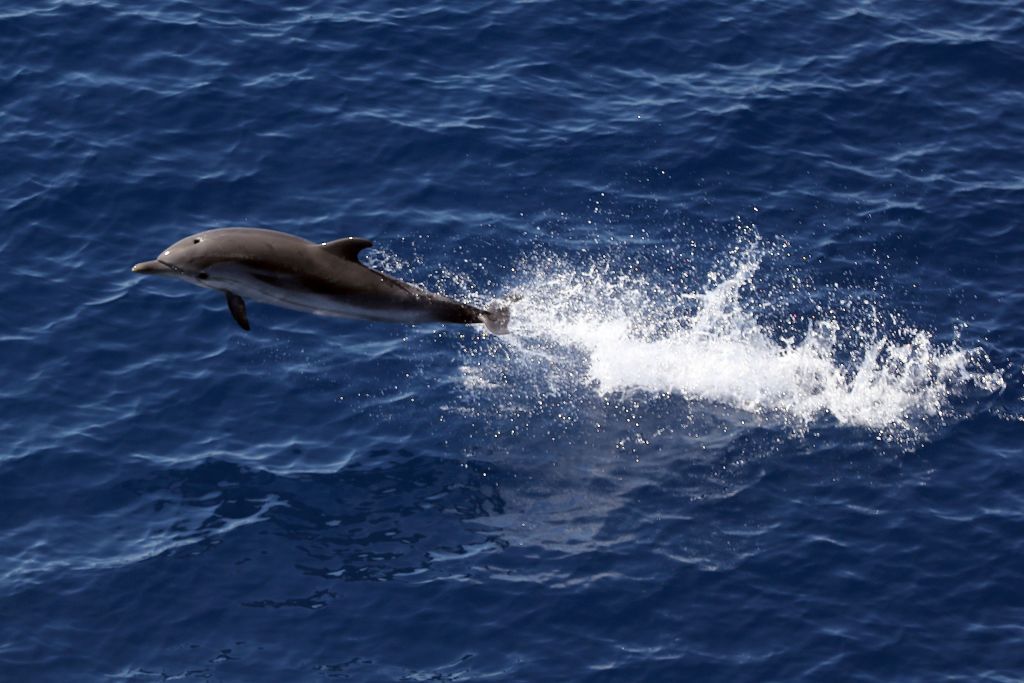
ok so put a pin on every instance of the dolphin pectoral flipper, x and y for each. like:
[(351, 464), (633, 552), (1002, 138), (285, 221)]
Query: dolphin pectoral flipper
[(236, 305), (347, 248)]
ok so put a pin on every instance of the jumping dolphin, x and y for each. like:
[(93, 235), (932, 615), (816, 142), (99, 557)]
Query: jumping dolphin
[(326, 279)]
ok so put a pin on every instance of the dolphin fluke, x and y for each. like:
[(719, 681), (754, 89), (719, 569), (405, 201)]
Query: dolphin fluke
[(496, 319)]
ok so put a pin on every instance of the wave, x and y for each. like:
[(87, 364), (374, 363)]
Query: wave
[(735, 342)]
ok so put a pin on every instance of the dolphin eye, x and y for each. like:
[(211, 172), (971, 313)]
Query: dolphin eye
[(202, 276), (196, 241)]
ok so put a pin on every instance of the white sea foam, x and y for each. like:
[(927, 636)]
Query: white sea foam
[(633, 336)]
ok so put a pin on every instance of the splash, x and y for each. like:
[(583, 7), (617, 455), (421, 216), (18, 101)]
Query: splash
[(734, 343)]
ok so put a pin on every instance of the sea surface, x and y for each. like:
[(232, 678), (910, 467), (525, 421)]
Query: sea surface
[(759, 416)]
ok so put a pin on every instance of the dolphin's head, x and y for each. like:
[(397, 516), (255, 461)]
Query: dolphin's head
[(188, 259)]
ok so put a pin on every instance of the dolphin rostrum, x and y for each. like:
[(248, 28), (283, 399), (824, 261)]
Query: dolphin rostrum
[(326, 279)]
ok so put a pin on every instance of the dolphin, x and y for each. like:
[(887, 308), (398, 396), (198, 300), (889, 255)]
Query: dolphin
[(325, 279)]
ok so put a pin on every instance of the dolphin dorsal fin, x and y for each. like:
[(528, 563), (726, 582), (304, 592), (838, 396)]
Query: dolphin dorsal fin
[(347, 248)]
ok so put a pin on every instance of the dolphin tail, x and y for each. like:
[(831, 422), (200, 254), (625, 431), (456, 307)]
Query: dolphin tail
[(495, 319)]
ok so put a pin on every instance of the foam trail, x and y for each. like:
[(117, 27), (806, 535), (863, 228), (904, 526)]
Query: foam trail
[(628, 335)]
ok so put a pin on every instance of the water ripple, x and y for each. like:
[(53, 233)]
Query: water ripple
[(759, 417)]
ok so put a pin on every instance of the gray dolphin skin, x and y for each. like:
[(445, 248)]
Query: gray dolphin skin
[(325, 279)]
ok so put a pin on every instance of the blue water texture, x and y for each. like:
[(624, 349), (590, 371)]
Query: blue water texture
[(759, 416)]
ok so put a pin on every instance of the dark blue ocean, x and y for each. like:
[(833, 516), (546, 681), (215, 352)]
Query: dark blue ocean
[(760, 416)]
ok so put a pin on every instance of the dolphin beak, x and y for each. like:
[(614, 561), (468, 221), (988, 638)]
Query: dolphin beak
[(151, 268)]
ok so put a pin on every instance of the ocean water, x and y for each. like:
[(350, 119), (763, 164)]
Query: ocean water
[(759, 416)]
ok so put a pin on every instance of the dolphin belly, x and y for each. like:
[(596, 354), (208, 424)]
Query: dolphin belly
[(428, 308)]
